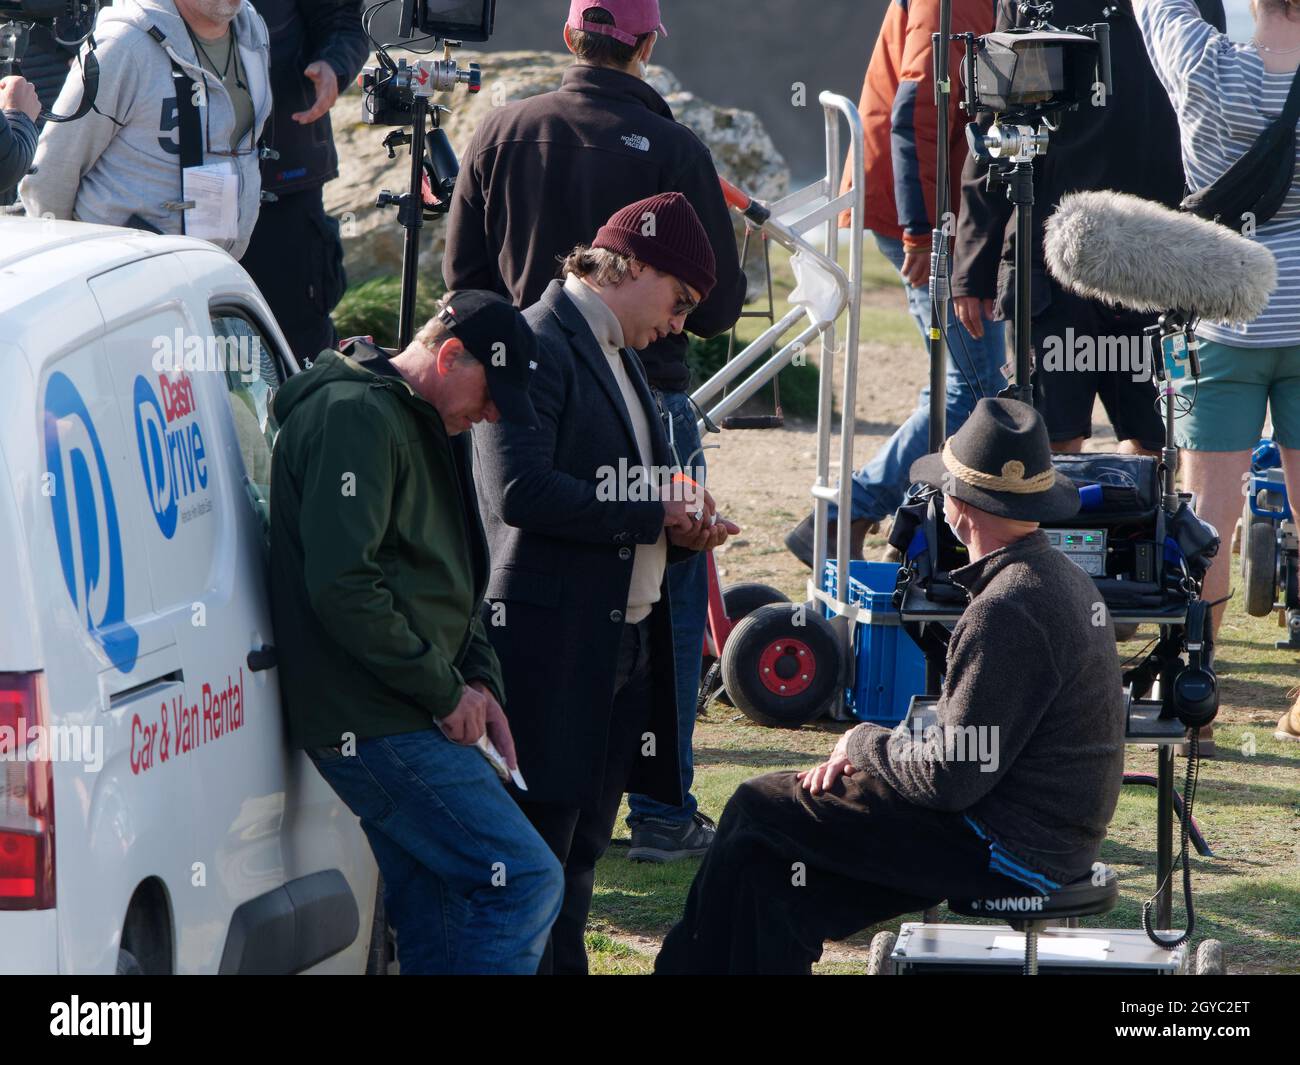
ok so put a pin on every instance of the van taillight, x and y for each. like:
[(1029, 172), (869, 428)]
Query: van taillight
[(26, 796)]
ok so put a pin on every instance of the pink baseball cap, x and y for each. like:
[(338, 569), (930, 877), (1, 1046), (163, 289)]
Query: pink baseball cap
[(631, 18)]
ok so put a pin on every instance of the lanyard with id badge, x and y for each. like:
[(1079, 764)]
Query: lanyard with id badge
[(209, 202)]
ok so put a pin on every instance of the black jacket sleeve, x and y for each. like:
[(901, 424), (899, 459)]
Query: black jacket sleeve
[(334, 34), (17, 147), (984, 214), (698, 182), (981, 228), (468, 261)]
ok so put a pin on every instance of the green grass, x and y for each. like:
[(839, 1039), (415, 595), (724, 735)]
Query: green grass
[(370, 308), (1247, 804)]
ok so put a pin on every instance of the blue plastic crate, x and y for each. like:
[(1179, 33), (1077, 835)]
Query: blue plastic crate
[(889, 667)]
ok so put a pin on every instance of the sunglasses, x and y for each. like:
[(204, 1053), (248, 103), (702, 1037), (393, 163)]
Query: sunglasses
[(684, 305)]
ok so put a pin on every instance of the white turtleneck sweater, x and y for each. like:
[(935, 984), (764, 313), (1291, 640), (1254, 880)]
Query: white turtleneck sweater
[(650, 559)]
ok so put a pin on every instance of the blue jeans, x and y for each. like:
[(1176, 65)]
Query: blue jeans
[(468, 883), (688, 592), (878, 487)]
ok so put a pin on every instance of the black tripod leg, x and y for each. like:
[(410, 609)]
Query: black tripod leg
[(1023, 187), (411, 215)]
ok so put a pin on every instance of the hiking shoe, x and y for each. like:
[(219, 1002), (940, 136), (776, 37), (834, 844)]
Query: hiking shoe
[(667, 841)]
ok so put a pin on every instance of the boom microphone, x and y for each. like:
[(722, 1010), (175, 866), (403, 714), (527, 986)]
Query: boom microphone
[(1139, 254)]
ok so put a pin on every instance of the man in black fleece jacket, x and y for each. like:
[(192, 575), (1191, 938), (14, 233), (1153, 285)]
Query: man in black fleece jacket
[(1009, 793)]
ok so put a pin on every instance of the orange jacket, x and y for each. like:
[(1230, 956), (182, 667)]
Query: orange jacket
[(900, 120)]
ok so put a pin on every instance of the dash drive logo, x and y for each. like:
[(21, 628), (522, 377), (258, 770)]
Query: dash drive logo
[(131, 1019), (173, 457), (84, 511)]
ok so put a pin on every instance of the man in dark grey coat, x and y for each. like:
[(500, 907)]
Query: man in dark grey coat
[(581, 527), (1012, 789)]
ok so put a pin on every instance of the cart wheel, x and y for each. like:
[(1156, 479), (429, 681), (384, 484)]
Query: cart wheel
[(1209, 959), (778, 672), (1258, 563), (741, 600), (878, 961)]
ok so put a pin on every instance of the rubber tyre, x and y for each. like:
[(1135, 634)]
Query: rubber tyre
[(878, 960), (127, 965), (1258, 564), (1209, 959), (741, 600), (755, 635)]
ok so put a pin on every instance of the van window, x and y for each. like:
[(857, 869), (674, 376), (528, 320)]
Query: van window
[(252, 376)]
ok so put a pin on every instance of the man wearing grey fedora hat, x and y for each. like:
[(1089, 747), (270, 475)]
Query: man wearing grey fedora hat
[(1013, 787)]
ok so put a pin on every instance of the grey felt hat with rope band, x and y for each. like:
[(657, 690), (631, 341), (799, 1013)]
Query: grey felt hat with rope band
[(1000, 461)]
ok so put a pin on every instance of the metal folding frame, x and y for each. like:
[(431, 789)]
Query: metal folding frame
[(817, 204)]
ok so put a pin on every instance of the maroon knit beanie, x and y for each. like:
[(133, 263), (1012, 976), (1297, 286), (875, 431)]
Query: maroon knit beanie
[(663, 231)]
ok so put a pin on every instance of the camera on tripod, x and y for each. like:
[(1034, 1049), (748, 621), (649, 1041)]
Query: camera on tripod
[(1025, 77), (390, 89), (389, 93), (399, 93)]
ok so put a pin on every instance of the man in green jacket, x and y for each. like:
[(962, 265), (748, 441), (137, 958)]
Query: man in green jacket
[(378, 568)]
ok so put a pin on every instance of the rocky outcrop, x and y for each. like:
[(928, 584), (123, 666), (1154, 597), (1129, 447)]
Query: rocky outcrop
[(372, 239)]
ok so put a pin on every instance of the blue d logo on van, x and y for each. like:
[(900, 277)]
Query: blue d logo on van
[(85, 522), (172, 455)]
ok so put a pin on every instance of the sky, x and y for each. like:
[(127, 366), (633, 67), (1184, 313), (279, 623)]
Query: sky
[(1240, 24)]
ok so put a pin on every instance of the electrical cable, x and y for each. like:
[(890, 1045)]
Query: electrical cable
[(1189, 798)]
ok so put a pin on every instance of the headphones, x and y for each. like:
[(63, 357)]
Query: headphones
[(1195, 689)]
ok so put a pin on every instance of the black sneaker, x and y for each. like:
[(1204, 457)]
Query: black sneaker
[(666, 841)]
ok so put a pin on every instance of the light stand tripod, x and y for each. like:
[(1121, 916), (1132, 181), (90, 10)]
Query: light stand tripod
[(398, 94)]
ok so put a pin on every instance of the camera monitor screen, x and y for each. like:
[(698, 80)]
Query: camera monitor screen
[(456, 20), (1039, 72), (1018, 69)]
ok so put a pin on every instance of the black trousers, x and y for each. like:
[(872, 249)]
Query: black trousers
[(1065, 396), (296, 259), (578, 836), (789, 870)]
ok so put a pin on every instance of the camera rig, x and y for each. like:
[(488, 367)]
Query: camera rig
[(397, 93), (1025, 78), (72, 23)]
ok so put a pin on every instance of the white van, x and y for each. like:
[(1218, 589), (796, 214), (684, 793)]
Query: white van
[(170, 830)]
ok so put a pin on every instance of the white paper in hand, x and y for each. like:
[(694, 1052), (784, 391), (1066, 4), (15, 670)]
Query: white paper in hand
[(498, 761), (214, 190)]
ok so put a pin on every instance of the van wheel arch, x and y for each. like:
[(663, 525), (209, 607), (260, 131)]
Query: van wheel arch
[(147, 941)]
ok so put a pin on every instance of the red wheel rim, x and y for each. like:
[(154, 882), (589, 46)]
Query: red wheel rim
[(787, 667)]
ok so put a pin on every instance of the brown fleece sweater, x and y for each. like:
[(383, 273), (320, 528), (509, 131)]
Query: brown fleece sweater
[(1032, 666)]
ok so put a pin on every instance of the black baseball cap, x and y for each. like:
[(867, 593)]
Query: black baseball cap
[(496, 334)]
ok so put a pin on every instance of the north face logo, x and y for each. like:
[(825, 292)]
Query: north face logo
[(635, 140)]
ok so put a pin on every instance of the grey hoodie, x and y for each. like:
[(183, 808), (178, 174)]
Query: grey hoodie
[(94, 170)]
